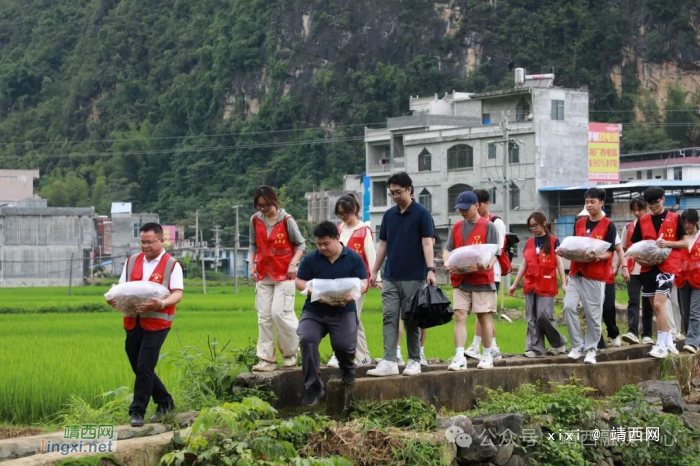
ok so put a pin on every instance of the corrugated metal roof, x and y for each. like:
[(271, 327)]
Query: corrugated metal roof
[(630, 185)]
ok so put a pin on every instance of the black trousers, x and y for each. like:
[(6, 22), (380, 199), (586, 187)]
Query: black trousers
[(143, 348), (634, 290), (609, 314), (684, 305), (313, 326)]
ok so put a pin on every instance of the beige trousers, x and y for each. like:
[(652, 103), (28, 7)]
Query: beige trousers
[(275, 304), (362, 350)]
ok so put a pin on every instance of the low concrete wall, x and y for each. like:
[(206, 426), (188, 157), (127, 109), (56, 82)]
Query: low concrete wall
[(458, 391)]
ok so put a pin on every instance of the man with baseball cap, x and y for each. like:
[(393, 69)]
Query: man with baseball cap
[(473, 292)]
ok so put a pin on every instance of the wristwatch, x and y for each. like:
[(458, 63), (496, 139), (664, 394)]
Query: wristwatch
[(431, 269)]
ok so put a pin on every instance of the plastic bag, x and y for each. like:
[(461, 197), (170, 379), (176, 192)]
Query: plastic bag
[(575, 248), (334, 291), (465, 259), (130, 295), (648, 253), (428, 307)]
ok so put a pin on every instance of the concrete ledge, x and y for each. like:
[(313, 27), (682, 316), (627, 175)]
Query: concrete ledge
[(288, 384), (458, 391)]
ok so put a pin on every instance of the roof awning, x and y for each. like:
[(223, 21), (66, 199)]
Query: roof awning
[(678, 184)]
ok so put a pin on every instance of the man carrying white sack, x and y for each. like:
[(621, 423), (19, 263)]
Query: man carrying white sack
[(587, 279), (146, 333), (330, 261), (667, 229)]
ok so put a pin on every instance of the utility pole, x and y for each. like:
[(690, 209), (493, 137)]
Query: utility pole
[(70, 276), (199, 249), (204, 276), (235, 254), (216, 247), (505, 280)]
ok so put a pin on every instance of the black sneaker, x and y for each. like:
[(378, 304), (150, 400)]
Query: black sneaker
[(136, 420), (312, 399), (161, 413), (348, 377)]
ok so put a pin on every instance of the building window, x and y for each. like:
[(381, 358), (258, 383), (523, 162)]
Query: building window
[(557, 109), (379, 196), (492, 150), (424, 161), (514, 196), (639, 174), (678, 173), (522, 110), (513, 153), (460, 157), (136, 230), (426, 199), (453, 193), (649, 175), (377, 230), (492, 195), (486, 119)]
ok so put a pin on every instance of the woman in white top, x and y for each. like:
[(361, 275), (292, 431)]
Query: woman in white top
[(357, 236)]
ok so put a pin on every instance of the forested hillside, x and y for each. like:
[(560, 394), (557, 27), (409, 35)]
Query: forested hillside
[(179, 105)]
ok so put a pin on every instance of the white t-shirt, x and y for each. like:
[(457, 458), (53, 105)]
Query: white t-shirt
[(176, 279), (501, 229)]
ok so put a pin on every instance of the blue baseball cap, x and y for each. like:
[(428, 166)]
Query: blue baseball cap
[(465, 200)]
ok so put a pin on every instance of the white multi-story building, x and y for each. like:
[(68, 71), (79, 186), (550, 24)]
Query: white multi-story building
[(456, 143)]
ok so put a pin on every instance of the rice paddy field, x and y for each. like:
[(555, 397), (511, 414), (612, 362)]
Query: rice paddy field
[(53, 345)]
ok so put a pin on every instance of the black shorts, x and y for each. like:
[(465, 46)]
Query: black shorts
[(656, 282)]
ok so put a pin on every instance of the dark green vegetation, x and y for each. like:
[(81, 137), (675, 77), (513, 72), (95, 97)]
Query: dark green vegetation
[(118, 100)]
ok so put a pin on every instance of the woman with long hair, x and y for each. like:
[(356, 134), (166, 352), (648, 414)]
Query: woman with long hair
[(276, 246), (539, 268), (357, 236)]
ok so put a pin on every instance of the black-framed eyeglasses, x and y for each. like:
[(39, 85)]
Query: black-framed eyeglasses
[(397, 192), (658, 201), (262, 206), (342, 214), (534, 227)]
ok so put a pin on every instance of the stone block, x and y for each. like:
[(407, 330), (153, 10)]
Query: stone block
[(669, 391)]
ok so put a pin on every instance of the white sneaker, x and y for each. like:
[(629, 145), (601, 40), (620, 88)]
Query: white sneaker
[(264, 366), (658, 352), (630, 338), (647, 341), (412, 368), (616, 341), (690, 349), (558, 351), (590, 357), (486, 362), (473, 351), (576, 353), (459, 363), (496, 353), (672, 349), (384, 368), (678, 337), (399, 360), (366, 362), (532, 354), (333, 362), (291, 361), (423, 360)]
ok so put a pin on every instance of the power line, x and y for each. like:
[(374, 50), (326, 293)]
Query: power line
[(201, 136), (193, 150)]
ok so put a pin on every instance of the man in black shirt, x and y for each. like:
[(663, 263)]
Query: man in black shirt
[(667, 229)]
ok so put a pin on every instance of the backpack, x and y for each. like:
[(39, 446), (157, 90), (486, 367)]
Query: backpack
[(505, 260)]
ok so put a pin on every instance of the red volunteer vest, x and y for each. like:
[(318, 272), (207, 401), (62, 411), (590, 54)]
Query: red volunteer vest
[(274, 253), (668, 229), (598, 270), (503, 259), (357, 243), (152, 321), (541, 272), (693, 268), (477, 236), (630, 262)]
